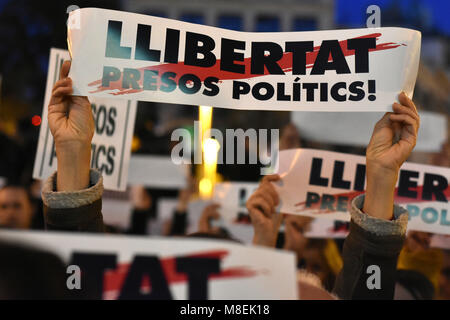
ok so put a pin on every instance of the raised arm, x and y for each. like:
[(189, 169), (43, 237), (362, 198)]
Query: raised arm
[(378, 227), (72, 195), (261, 206)]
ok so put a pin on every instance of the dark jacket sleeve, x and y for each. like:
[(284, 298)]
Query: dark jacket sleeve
[(179, 224), (74, 211), (370, 255)]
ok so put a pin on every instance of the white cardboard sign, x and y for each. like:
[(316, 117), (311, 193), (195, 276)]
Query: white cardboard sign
[(321, 183), (185, 268), (133, 56)]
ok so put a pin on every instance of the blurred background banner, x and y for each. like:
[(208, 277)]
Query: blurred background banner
[(319, 183), (111, 145)]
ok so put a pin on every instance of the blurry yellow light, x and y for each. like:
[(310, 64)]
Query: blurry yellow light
[(210, 149), (205, 188), (135, 144)]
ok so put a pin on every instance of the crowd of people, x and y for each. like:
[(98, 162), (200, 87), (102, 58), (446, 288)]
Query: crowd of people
[(327, 269)]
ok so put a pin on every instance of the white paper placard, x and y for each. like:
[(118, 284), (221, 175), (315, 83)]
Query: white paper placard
[(133, 56), (322, 183), (235, 271)]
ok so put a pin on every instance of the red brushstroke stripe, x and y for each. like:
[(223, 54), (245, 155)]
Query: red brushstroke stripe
[(352, 194), (113, 280), (180, 68)]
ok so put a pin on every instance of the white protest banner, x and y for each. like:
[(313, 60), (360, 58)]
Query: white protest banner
[(111, 144), (232, 198), (350, 128), (157, 172), (140, 57), (184, 268), (322, 183)]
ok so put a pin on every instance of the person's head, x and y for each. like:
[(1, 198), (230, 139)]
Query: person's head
[(30, 273), (323, 259), (15, 207), (290, 137)]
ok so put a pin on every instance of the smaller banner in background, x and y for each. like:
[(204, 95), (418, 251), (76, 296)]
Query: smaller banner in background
[(320, 183)]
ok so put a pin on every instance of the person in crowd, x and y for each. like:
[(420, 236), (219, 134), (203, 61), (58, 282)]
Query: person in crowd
[(378, 227), (322, 258), (143, 208), (413, 285), (27, 273), (444, 277), (16, 210), (290, 137), (418, 256), (72, 195), (179, 223), (209, 214)]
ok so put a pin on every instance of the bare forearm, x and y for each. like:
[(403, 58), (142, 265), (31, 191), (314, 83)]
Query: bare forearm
[(73, 167), (379, 200)]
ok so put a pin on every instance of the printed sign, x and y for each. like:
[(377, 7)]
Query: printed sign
[(323, 183), (134, 56), (158, 268), (232, 198), (111, 144)]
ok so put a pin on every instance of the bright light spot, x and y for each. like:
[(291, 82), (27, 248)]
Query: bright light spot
[(210, 149)]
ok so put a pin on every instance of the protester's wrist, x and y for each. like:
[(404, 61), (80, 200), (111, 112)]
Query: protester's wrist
[(73, 165), (379, 199), (264, 240)]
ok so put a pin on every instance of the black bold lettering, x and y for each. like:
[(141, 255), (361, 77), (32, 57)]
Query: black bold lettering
[(143, 38), (198, 270), (314, 177), (193, 49), (260, 60), (338, 62), (228, 55)]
